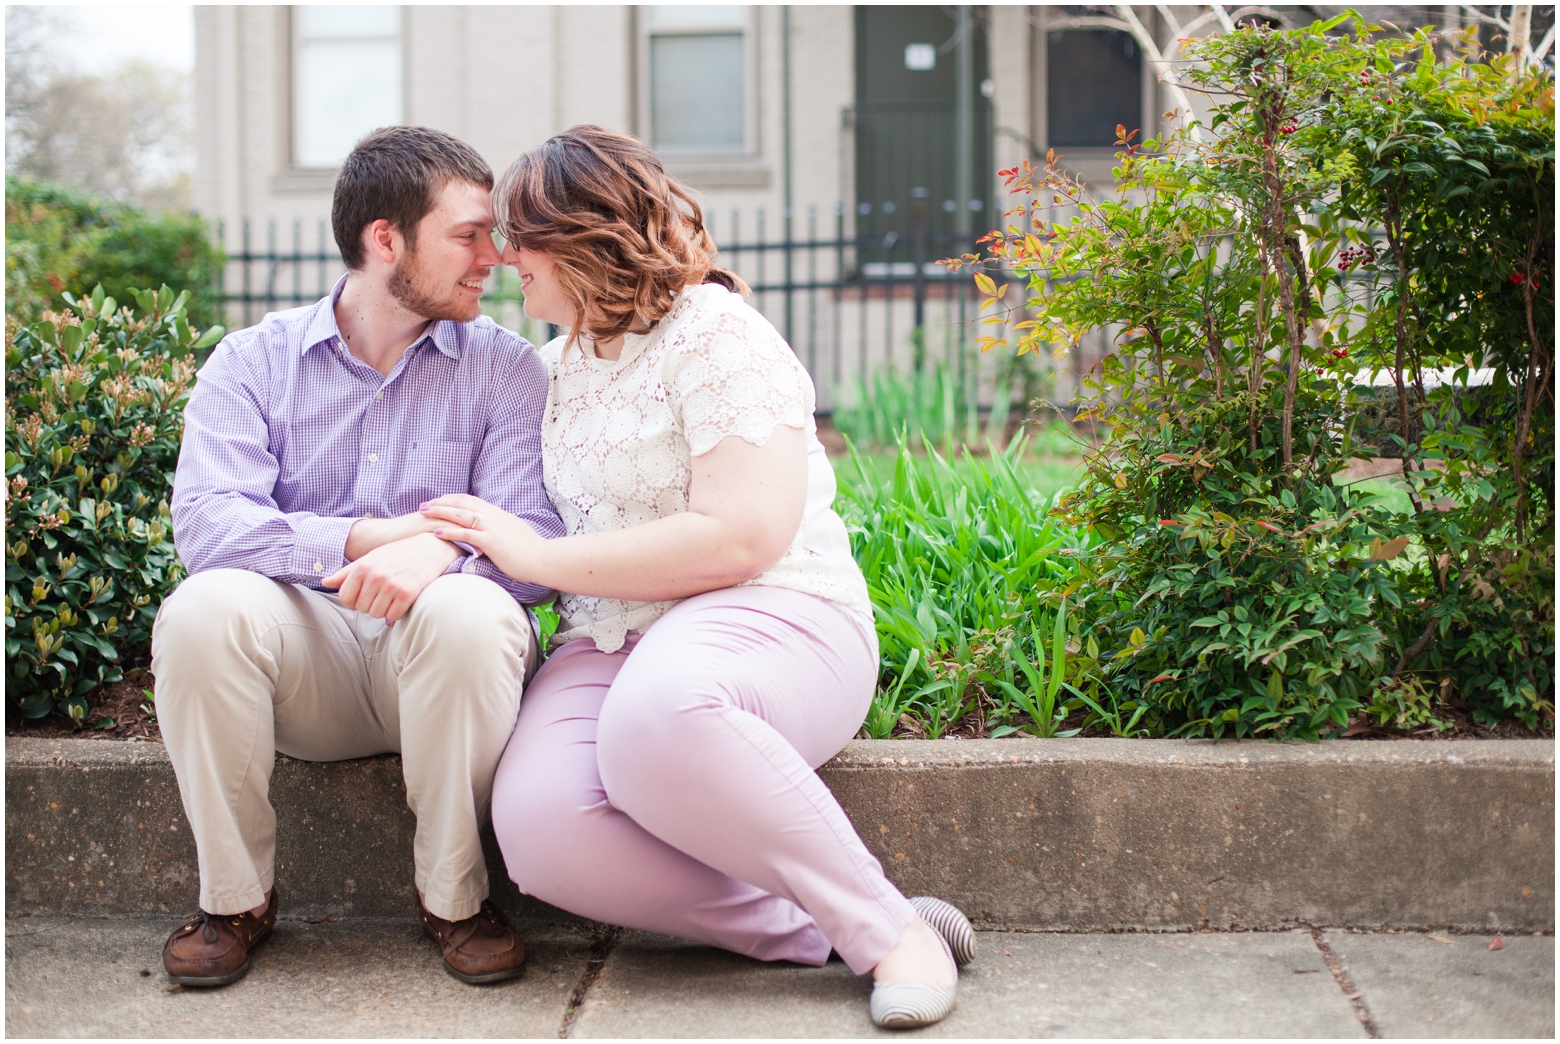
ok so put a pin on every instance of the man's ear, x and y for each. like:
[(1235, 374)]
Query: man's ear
[(383, 240)]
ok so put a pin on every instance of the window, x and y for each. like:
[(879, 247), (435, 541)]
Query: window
[(1094, 81), (699, 91), (346, 79)]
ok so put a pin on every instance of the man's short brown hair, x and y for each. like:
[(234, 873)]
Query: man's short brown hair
[(395, 173)]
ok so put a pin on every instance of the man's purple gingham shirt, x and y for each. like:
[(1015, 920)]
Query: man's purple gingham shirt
[(289, 440)]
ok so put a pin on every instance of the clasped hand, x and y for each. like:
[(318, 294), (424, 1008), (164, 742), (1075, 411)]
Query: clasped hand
[(508, 542), (391, 565)]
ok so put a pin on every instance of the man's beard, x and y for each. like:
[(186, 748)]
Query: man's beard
[(418, 295)]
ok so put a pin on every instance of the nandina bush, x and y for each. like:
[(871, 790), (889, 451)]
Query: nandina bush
[(1351, 203), (93, 419)]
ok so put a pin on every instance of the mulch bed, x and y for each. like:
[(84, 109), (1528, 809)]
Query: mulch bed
[(120, 711)]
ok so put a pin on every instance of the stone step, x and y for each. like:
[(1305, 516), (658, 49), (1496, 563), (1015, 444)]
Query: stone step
[(1078, 834)]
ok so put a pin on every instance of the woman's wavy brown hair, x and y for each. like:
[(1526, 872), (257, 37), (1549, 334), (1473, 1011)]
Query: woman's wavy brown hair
[(625, 237)]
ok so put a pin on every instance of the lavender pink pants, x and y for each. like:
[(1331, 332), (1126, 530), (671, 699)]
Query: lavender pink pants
[(669, 786)]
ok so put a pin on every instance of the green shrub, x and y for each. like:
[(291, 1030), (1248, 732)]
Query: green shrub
[(1456, 179), (59, 241), (967, 576), (93, 418), (1351, 203)]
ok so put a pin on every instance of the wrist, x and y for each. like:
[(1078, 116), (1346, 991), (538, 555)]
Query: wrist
[(363, 537), (450, 552)]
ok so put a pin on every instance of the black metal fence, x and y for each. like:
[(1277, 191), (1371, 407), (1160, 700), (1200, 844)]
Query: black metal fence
[(847, 303)]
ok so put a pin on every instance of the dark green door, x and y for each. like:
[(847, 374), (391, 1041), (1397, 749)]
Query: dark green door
[(906, 147)]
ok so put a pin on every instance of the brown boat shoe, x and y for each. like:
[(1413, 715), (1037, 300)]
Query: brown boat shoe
[(213, 949), (478, 949)]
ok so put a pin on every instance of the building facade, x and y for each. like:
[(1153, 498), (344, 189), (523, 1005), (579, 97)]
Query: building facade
[(838, 151), (831, 105)]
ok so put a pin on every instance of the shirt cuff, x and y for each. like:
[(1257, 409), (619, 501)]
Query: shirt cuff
[(462, 560), (320, 545)]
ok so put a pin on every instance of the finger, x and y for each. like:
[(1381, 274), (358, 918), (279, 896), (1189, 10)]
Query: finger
[(477, 538), (351, 585), (448, 513), (455, 500), (384, 597), (397, 610), (337, 578)]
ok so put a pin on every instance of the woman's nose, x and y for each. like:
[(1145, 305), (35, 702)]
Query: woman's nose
[(510, 255)]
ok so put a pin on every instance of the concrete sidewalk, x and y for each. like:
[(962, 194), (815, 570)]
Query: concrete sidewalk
[(93, 977)]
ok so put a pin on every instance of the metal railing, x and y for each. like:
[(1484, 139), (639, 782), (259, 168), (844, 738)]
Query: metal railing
[(847, 304)]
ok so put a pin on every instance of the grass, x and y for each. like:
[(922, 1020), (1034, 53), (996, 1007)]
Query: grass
[(1043, 476), (969, 576)]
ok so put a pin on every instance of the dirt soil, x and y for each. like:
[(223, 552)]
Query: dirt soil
[(121, 711)]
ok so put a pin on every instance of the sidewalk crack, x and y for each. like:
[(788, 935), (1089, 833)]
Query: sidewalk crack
[(1355, 997), (603, 941)]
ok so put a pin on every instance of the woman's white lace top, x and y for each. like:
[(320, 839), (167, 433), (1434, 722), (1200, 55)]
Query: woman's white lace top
[(619, 438)]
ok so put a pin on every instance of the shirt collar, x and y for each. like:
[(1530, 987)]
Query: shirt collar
[(445, 334)]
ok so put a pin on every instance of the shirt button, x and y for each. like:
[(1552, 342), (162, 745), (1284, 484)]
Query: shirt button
[(373, 458), (379, 395), (320, 566)]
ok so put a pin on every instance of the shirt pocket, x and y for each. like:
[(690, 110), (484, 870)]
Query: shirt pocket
[(440, 466)]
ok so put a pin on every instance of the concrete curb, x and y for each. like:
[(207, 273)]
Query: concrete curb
[(1081, 834)]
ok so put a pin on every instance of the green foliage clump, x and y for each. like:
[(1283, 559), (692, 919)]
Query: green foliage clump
[(59, 240), (935, 400), (93, 418), (1353, 206), (1453, 169), (967, 576)]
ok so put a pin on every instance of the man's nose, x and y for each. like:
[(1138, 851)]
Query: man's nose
[(487, 253)]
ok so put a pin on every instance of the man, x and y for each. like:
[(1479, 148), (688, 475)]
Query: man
[(322, 618)]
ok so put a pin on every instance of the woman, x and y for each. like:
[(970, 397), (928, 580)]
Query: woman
[(717, 642)]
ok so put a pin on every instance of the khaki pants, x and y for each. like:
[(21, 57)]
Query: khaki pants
[(247, 666)]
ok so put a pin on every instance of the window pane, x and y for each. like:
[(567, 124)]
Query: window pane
[(367, 20), (1094, 80), (343, 90), (696, 16), (697, 91)]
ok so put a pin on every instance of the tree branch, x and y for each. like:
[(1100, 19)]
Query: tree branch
[(1166, 75)]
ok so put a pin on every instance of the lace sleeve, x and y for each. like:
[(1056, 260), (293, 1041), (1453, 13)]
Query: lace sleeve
[(732, 374)]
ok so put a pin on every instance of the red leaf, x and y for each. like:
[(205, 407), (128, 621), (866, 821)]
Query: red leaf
[(1496, 944)]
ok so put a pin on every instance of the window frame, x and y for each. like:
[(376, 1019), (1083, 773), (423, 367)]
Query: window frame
[(750, 110), (1086, 157), (293, 38)]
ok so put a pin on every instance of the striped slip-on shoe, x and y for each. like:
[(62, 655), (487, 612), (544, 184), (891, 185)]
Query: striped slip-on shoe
[(947, 921), (897, 1006)]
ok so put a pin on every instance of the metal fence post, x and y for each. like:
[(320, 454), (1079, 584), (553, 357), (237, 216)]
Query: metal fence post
[(244, 260)]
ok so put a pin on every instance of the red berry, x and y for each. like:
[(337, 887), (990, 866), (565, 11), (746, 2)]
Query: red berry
[(1517, 278)]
